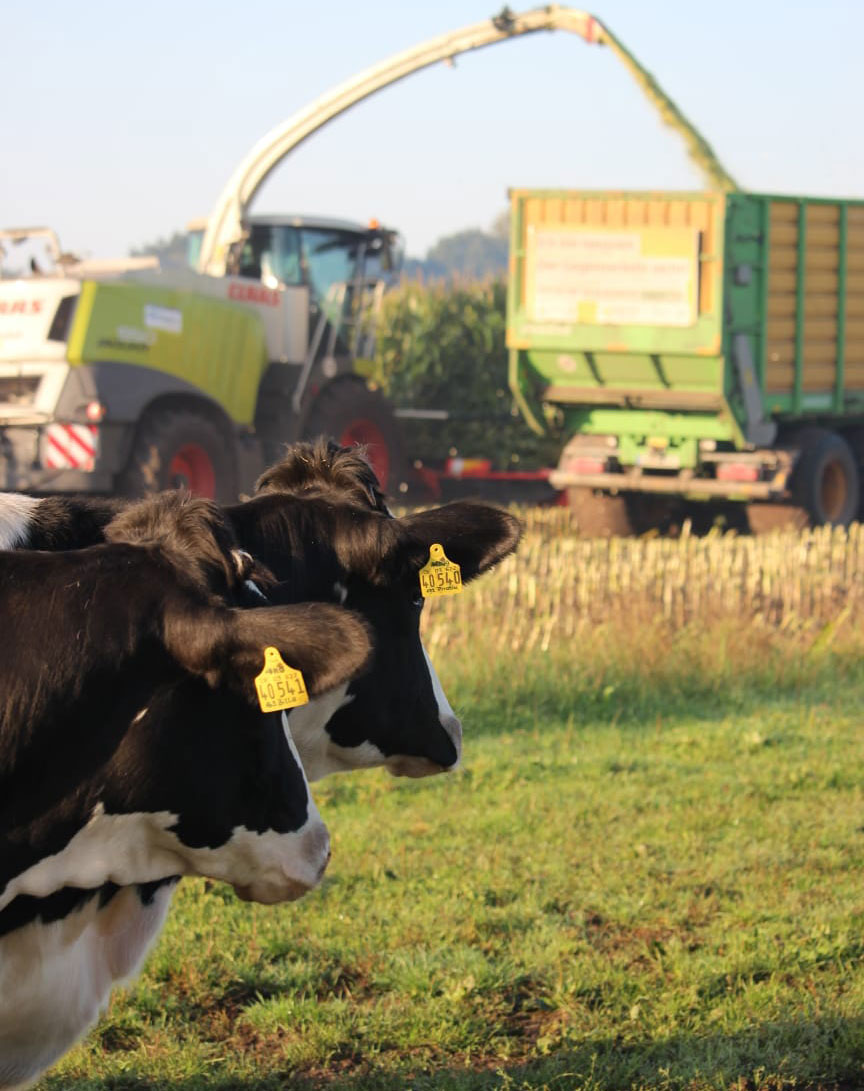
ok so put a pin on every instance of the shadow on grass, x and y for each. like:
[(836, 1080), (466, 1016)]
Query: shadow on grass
[(825, 1054)]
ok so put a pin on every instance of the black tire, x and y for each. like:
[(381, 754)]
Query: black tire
[(655, 513), (599, 515), (855, 438), (708, 515), (178, 448), (825, 482), (349, 412)]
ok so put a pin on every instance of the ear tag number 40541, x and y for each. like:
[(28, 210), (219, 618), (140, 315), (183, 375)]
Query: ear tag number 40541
[(439, 576), (279, 686)]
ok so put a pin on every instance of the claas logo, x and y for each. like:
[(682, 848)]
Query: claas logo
[(21, 306)]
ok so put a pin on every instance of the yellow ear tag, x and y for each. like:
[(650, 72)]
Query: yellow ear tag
[(279, 686), (439, 576)]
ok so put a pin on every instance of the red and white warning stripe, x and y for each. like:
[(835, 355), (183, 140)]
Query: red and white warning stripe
[(70, 446)]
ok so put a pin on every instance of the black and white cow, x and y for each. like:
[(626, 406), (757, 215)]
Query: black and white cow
[(320, 523), (131, 753)]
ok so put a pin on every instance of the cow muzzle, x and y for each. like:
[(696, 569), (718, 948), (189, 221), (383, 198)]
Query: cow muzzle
[(443, 755), (272, 893), (300, 872), (409, 765)]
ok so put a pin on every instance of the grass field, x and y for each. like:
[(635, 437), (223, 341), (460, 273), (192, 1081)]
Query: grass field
[(648, 875)]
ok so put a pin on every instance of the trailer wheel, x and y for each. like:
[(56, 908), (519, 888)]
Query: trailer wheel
[(351, 414), (599, 515), (181, 449), (825, 481), (855, 438)]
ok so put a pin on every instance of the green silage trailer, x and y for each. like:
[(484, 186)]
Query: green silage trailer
[(699, 351)]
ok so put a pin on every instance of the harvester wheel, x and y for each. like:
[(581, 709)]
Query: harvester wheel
[(599, 515), (825, 480), (177, 448), (351, 413)]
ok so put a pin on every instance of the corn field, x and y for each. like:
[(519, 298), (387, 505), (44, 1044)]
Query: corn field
[(443, 347), (560, 585)]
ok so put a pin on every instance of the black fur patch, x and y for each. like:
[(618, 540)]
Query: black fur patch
[(55, 907), (75, 522)]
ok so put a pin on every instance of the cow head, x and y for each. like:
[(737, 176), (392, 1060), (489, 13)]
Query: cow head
[(144, 754), (319, 522), (399, 715)]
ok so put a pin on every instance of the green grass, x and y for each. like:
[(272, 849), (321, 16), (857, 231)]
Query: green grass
[(649, 874)]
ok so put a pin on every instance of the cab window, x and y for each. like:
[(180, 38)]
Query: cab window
[(330, 257), (272, 255)]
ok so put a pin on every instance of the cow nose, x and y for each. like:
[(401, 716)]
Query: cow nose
[(287, 890)]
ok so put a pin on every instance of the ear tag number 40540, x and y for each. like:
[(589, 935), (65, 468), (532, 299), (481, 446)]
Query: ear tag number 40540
[(439, 576), (279, 686)]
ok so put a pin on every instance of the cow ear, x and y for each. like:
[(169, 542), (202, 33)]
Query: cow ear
[(328, 644), (474, 536)]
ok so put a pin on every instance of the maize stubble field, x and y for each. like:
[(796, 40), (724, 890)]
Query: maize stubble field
[(647, 875)]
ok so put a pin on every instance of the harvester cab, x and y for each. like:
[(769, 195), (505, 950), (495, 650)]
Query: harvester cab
[(343, 268)]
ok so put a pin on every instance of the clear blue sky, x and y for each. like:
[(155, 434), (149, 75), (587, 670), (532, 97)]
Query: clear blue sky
[(121, 121)]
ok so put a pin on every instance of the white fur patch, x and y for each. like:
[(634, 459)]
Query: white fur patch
[(16, 513), (55, 978), (140, 848), (318, 754), (124, 849), (449, 720), (342, 759), (252, 586)]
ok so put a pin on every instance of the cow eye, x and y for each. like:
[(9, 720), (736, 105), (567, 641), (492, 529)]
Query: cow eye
[(418, 602)]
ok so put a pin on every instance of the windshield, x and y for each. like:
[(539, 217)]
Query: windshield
[(272, 255), (322, 257), (330, 258)]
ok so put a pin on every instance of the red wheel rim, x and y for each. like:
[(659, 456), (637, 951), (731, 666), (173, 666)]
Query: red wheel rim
[(192, 468), (367, 433)]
